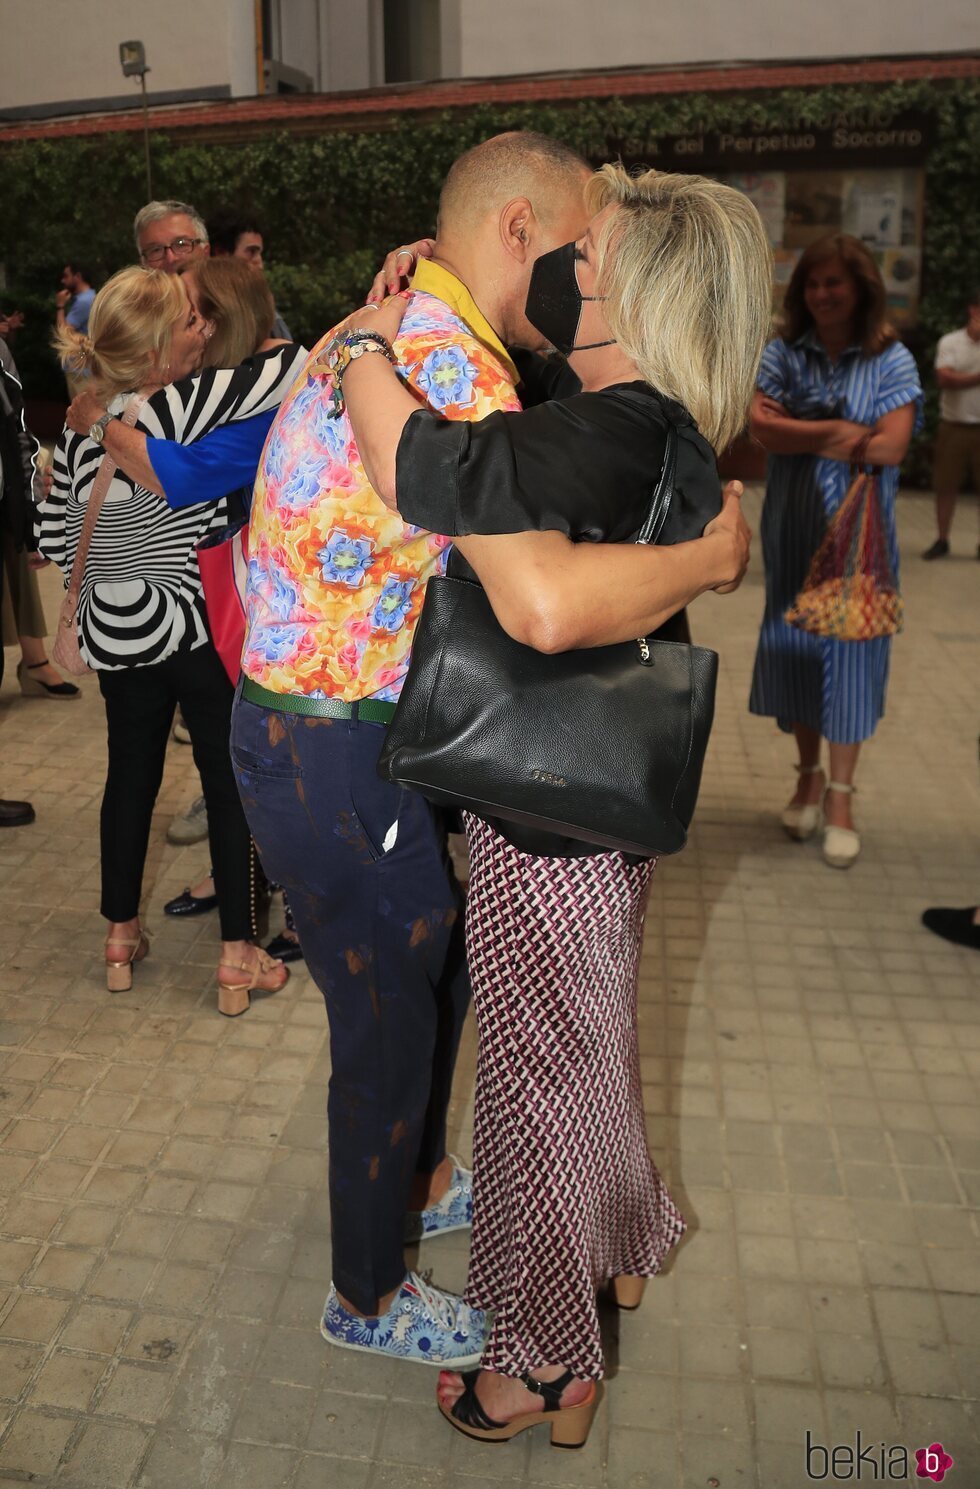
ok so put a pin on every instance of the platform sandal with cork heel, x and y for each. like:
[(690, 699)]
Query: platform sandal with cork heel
[(265, 975), (626, 1292), (569, 1424), (802, 821), (119, 975), (841, 845)]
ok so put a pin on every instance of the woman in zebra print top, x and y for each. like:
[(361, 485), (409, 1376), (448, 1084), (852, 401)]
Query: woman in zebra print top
[(141, 617)]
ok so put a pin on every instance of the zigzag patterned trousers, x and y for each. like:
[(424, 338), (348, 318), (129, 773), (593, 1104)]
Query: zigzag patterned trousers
[(565, 1192)]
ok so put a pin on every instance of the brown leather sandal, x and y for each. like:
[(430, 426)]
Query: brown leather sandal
[(265, 975)]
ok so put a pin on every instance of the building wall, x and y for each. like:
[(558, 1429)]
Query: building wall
[(67, 51), (338, 43), (61, 56), (513, 36)]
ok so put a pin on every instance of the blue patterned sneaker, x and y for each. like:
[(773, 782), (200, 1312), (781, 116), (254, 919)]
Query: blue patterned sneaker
[(453, 1212), (423, 1324)]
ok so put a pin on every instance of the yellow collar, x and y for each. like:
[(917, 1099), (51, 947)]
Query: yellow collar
[(433, 279)]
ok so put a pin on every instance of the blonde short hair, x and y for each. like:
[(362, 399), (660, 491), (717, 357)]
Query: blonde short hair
[(686, 269), (130, 330), (238, 302)]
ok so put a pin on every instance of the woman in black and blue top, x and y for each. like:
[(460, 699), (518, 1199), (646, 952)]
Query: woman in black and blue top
[(141, 619)]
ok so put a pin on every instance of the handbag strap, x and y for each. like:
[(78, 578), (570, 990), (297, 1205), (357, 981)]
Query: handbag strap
[(96, 497), (659, 509), (663, 493)]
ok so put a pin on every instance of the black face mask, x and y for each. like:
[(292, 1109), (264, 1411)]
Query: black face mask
[(554, 300)]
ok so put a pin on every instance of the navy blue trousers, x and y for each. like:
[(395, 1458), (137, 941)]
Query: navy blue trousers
[(378, 913)]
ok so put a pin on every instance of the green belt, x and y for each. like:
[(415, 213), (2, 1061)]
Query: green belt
[(371, 710)]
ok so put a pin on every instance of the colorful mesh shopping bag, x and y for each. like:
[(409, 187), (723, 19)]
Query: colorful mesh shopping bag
[(851, 593)]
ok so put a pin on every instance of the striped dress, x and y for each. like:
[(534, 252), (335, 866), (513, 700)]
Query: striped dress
[(141, 597), (835, 687)]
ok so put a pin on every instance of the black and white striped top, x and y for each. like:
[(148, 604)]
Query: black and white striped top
[(141, 597)]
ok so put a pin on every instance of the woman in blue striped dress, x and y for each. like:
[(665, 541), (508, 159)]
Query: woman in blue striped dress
[(836, 376)]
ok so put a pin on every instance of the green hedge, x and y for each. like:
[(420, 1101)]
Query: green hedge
[(334, 203)]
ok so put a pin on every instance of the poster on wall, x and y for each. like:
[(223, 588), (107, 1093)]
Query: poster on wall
[(766, 190), (883, 208)]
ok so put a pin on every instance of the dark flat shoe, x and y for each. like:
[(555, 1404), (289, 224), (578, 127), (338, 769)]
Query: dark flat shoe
[(187, 904), (15, 813), (953, 925), (939, 549), (285, 950), (36, 687)]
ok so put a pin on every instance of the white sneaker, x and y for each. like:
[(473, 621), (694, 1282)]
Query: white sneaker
[(191, 826)]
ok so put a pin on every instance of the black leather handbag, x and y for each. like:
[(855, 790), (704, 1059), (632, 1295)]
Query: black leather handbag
[(604, 745)]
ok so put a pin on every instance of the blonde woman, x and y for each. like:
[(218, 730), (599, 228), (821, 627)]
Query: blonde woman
[(236, 300), (141, 617), (662, 309)]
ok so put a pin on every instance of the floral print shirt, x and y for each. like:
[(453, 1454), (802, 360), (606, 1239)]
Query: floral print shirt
[(335, 579)]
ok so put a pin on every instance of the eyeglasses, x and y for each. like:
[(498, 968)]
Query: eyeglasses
[(181, 248)]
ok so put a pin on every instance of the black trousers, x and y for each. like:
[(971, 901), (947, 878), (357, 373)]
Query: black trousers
[(139, 706)]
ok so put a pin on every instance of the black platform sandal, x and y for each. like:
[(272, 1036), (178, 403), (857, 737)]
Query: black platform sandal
[(569, 1425)]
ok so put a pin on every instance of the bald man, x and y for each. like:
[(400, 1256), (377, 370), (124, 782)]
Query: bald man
[(336, 584)]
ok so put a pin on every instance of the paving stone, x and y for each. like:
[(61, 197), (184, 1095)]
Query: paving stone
[(713, 1406), (810, 1060), (121, 1279), (97, 1327), (317, 1472), (68, 1380), (18, 1362), (644, 1460), (295, 1356), (140, 1394), (275, 1412), (783, 1354), (346, 1425), (64, 1267), (34, 1444), (850, 1360), (106, 1456), (34, 1317), (178, 1458)]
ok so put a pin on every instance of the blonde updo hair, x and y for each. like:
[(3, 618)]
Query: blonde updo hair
[(237, 301), (130, 330), (686, 270)]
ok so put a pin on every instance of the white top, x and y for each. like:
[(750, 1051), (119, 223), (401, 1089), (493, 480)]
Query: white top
[(960, 353)]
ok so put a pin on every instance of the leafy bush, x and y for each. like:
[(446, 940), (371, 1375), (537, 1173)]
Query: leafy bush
[(334, 203)]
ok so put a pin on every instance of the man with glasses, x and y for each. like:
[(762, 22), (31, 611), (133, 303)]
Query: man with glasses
[(169, 234)]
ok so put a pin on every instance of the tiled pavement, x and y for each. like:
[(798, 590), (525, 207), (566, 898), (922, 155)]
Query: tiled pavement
[(811, 1068)]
